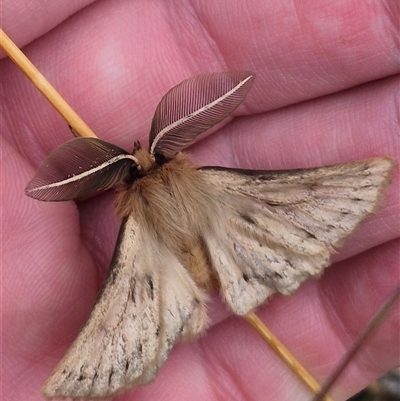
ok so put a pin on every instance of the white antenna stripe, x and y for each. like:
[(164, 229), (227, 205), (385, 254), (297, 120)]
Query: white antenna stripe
[(86, 173)]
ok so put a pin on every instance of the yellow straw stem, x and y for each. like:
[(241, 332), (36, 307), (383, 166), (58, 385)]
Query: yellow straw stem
[(44, 86), (284, 354)]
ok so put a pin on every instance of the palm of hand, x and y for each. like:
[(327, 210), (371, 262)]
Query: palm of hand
[(54, 258)]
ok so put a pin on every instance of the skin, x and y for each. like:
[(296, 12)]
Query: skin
[(113, 61)]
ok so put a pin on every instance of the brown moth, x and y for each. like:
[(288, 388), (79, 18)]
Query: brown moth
[(186, 229)]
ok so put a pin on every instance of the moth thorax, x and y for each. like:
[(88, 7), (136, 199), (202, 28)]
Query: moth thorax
[(145, 159)]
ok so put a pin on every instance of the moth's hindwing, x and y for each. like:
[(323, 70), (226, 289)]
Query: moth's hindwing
[(147, 301), (280, 227)]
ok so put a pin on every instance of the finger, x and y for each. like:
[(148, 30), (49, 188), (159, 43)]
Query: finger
[(346, 126), (305, 50), (25, 21), (115, 80), (49, 282)]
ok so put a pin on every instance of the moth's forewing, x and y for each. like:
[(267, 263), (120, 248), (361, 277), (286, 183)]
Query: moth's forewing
[(146, 302), (282, 226)]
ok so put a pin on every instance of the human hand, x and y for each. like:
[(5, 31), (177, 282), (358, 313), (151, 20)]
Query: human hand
[(113, 62)]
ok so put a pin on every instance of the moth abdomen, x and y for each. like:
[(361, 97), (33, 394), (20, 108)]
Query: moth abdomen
[(195, 257)]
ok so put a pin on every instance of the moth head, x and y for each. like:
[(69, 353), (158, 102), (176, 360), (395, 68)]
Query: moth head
[(81, 168), (85, 166), (145, 161)]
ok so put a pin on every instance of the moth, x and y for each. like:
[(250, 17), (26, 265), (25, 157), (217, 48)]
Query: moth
[(187, 229)]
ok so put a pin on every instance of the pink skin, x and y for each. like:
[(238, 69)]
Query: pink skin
[(113, 61)]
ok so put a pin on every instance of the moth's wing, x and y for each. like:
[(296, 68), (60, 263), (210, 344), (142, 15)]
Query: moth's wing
[(278, 228), (78, 168), (147, 302), (194, 106)]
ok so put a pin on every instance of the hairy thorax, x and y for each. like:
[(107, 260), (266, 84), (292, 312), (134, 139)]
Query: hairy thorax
[(172, 201)]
